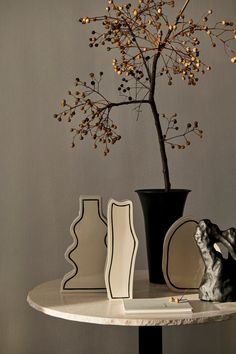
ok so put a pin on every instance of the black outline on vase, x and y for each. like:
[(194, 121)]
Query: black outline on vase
[(74, 246), (168, 249), (134, 251)]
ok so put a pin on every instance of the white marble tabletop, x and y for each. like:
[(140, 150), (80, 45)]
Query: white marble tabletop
[(94, 307)]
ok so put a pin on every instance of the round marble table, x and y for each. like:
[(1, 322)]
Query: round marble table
[(94, 307)]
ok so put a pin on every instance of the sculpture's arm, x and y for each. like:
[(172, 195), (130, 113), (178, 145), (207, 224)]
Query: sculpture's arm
[(228, 239)]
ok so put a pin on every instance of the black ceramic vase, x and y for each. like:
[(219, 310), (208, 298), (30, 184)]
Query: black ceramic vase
[(160, 209)]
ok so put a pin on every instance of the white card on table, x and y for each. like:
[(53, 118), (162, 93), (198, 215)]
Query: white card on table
[(156, 306)]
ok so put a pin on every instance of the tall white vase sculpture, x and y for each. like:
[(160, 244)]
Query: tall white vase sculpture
[(87, 254), (122, 245)]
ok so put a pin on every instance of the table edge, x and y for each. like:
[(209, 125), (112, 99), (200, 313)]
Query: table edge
[(134, 322)]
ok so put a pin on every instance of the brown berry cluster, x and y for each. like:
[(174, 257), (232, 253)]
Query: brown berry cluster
[(172, 132), (96, 122), (139, 32), (149, 39)]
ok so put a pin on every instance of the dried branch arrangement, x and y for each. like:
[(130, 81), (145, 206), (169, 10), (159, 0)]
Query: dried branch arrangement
[(146, 46)]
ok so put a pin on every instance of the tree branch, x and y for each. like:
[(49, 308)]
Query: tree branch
[(124, 103)]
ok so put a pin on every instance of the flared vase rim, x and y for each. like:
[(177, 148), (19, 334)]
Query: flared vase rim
[(162, 190)]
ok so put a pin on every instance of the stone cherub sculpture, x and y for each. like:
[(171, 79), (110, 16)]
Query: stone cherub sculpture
[(219, 280)]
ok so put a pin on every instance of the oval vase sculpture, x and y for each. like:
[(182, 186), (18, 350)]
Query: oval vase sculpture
[(160, 209), (122, 245), (179, 250), (87, 254)]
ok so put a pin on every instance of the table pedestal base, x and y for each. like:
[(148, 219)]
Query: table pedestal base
[(150, 337)]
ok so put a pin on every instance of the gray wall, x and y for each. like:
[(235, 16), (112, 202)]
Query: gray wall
[(42, 49)]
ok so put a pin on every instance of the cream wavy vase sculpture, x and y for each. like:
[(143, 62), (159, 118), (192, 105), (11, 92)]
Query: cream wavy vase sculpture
[(87, 254), (122, 246)]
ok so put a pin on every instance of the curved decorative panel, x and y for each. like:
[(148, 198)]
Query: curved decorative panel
[(182, 265), (87, 253), (122, 245)]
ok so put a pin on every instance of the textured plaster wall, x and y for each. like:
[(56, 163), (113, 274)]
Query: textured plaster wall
[(42, 49)]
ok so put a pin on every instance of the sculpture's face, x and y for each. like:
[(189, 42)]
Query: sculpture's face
[(204, 236)]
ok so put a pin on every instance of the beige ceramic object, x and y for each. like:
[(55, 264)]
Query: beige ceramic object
[(87, 254), (182, 265), (122, 245)]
